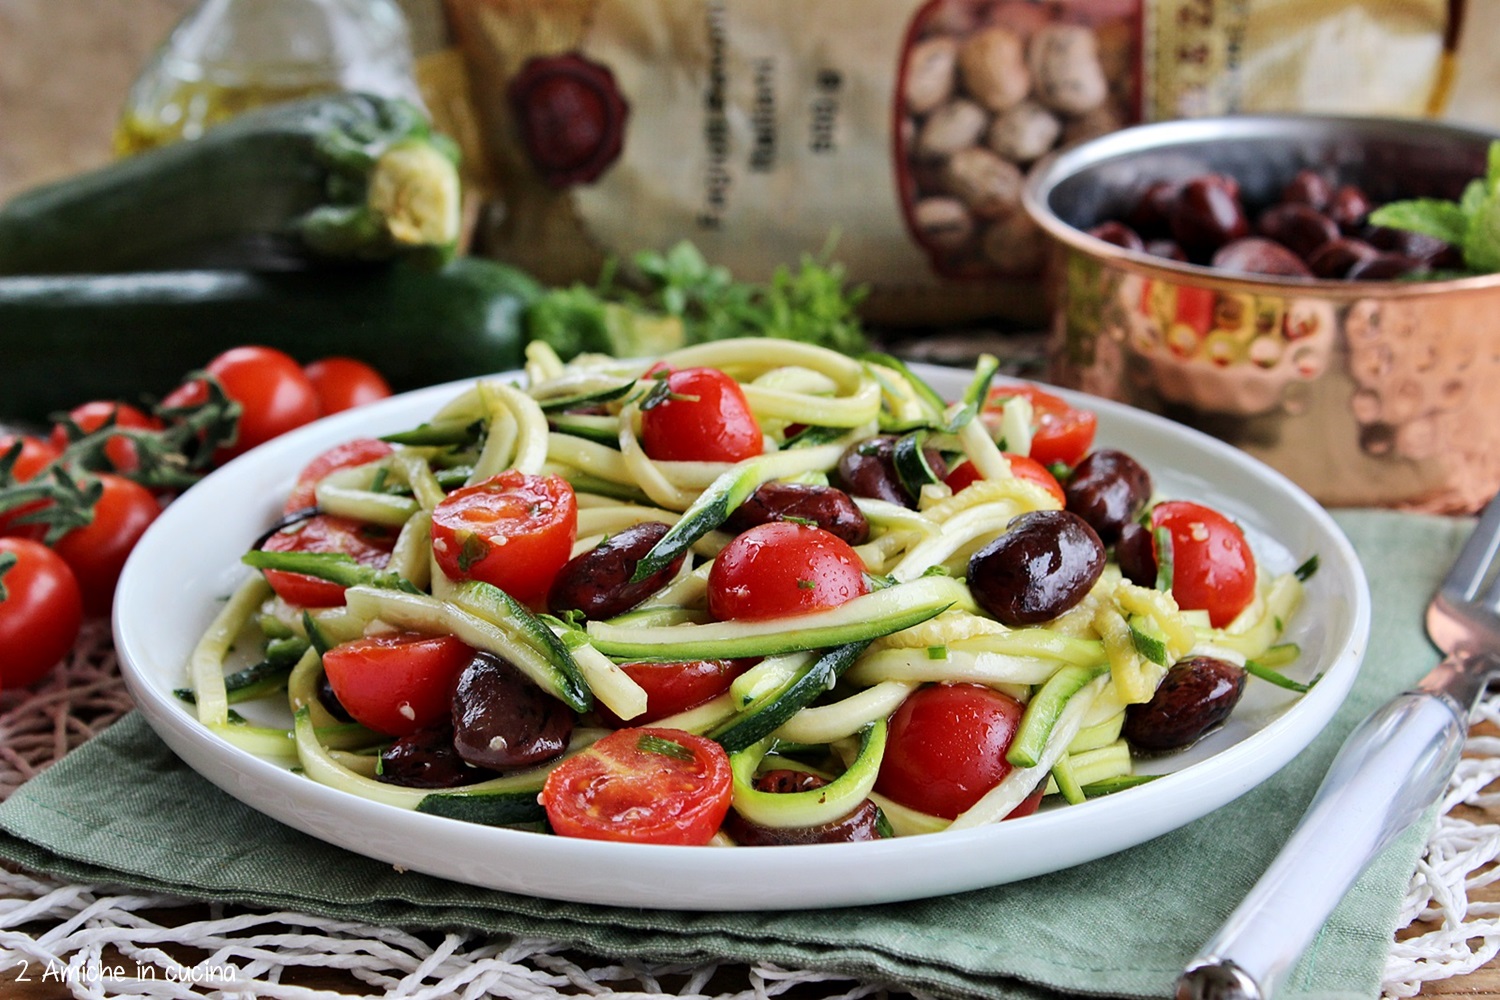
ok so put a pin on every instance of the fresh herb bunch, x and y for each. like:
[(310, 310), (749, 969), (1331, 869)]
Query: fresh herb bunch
[(1472, 224), (663, 301)]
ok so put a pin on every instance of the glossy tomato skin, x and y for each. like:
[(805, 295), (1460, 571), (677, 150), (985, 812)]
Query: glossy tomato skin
[(97, 551), (782, 568), (1213, 568), (119, 449), (348, 455), (40, 615), (946, 747), (369, 545), (34, 456), (1021, 466), (274, 395), (514, 531), (705, 419), (676, 687), (397, 684), (1061, 433), (344, 383), (633, 786)]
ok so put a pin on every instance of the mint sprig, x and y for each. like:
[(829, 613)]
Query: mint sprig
[(1472, 224)]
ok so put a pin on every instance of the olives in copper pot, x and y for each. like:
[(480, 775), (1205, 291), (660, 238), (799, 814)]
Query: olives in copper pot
[(1196, 695), (868, 469), (862, 823), (1107, 489), (1207, 215), (501, 719), (830, 509), (427, 759), (597, 582), (1044, 564)]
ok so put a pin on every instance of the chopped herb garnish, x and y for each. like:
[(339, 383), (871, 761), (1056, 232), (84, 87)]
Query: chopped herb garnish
[(1307, 569), (472, 551), (651, 743)]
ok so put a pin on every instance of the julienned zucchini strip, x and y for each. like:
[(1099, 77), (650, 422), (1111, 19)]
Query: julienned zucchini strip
[(820, 805)]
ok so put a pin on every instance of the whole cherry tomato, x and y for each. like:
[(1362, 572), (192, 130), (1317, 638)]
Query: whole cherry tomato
[(513, 530), (274, 395), (119, 449), (344, 383), (343, 456), (397, 684), (1021, 466), (97, 551), (677, 686), (40, 612), (703, 418), (783, 568), (34, 455), (369, 545), (1213, 568), (1061, 432)]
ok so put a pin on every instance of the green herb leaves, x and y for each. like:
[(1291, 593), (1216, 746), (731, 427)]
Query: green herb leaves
[(1472, 224)]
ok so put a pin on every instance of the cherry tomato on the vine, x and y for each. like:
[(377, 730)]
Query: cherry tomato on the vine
[(703, 418), (397, 684), (1061, 432), (644, 785), (1021, 466), (1213, 568), (40, 613), (274, 395), (513, 530), (119, 449), (783, 568), (97, 551), (369, 545), (343, 456), (34, 455), (344, 383)]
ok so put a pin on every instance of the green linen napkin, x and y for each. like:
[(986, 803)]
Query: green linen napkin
[(123, 810)]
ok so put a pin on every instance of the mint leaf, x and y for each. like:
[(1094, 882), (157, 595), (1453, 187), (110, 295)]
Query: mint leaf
[(1445, 220)]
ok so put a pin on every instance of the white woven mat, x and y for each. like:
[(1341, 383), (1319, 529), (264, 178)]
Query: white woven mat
[(102, 942)]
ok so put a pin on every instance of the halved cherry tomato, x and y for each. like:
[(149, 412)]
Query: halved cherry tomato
[(643, 785), (676, 687), (344, 383), (1213, 568), (40, 613), (119, 449), (705, 418), (34, 455), (397, 684), (783, 568), (513, 530), (343, 456), (1061, 433), (946, 748), (97, 551), (367, 544), (273, 393), (1021, 466)]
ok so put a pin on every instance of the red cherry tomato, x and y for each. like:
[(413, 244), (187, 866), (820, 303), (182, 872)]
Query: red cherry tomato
[(369, 545), (97, 551), (644, 785), (119, 449), (397, 684), (705, 419), (344, 456), (513, 530), (344, 383), (273, 393), (1022, 467), (1213, 568), (946, 747), (783, 568), (1061, 433), (40, 613), (34, 455), (676, 687)]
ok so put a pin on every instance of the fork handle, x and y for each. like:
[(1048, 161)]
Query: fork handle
[(1392, 767)]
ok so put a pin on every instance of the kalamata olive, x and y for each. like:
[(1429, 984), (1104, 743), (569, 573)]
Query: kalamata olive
[(1107, 488), (1206, 216), (1404, 242), (1136, 554), (1334, 258), (1119, 234), (868, 469), (1310, 188), (1384, 267), (1228, 182), (1166, 248), (1349, 207), (1196, 695), (1258, 255), (501, 719), (862, 823), (1044, 564), (828, 508), (427, 759), (330, 700), (1297, 227), (1152, 214), (597, 582)]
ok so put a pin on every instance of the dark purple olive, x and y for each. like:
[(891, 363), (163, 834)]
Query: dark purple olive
[(1136, 555), (868, 469), (1258, 255), (501, 719), (862, 823), (1407, 243), (1384, 267), (329, 699), (1308, 188), (1044, 564), (1196, 695), (1349, 207), (1206, 216), (1152, 212), (427, 759), (1107, 488), (1334, 258), (597, 582), (1119, 234), (1299, 228), (828, 508), (1166, 248)]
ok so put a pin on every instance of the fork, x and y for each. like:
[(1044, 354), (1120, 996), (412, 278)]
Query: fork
[(1390, 769)]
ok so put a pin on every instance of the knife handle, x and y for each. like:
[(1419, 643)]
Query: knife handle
[(1392, 767)]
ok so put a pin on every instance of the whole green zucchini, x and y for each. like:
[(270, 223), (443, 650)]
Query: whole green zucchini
[(343, 176), (68, 339)]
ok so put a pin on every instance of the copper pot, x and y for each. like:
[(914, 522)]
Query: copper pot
[(1383, 393)]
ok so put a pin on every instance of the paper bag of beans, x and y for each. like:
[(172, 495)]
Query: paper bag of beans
[(902, 130)]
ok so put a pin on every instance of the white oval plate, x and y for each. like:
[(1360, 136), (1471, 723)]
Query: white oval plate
[(189, 560)]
